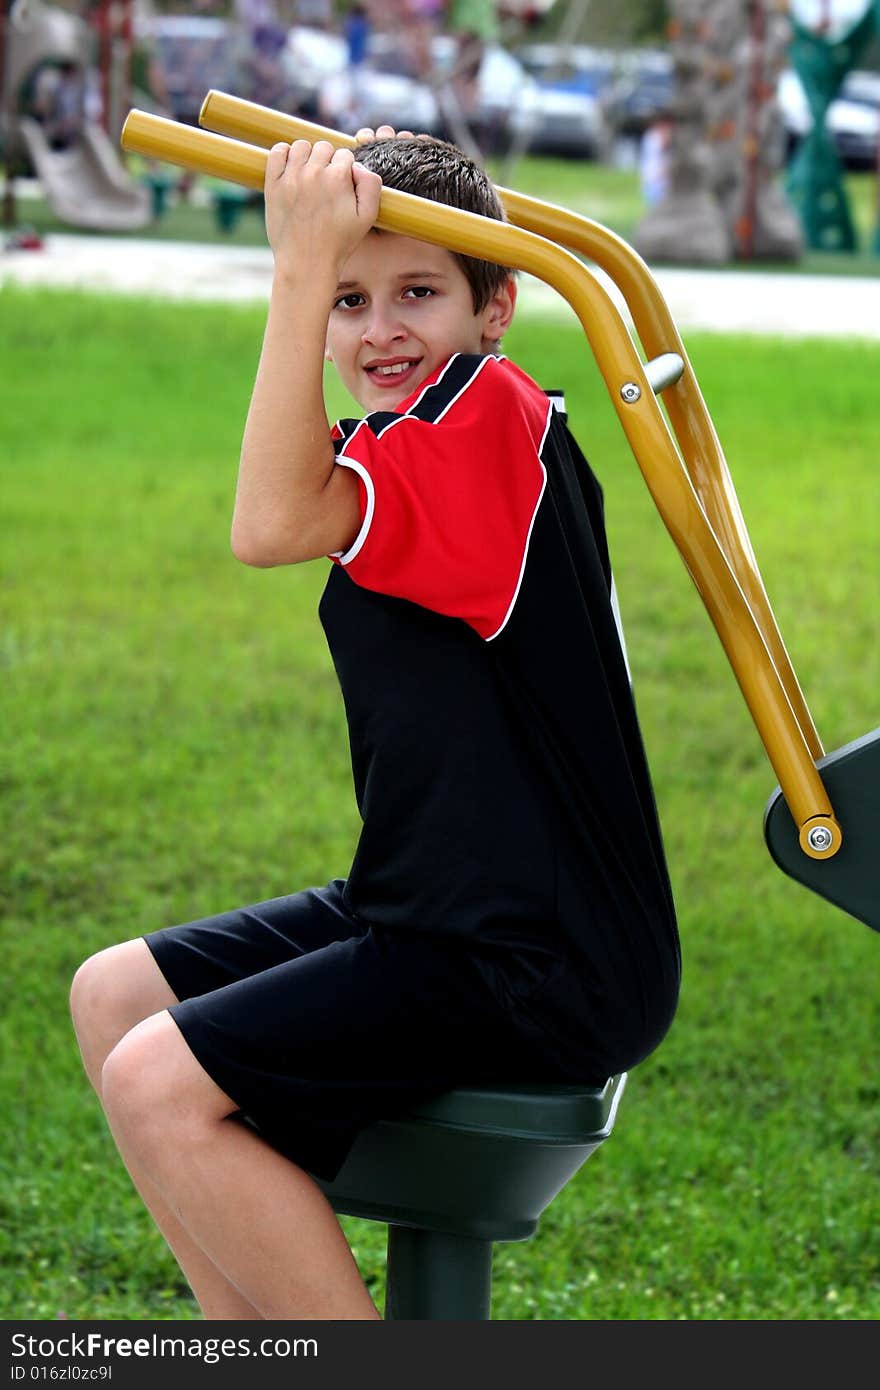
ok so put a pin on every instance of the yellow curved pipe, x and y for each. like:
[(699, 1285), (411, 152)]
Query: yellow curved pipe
[(691, 422), (642, 419)]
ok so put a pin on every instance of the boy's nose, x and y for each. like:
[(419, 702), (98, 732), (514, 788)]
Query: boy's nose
[(383, 327)]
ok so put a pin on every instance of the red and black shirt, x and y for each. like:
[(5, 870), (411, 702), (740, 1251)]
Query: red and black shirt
[(496, 754)]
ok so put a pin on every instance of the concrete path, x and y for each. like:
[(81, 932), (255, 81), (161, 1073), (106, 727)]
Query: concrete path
[(719, 301)]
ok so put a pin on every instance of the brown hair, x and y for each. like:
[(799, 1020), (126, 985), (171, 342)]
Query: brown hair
[(440, 171)]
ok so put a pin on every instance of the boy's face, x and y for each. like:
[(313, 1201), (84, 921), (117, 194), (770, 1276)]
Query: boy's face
[(401, 308)]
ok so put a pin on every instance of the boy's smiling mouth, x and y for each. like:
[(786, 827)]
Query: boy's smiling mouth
[(391, 371)]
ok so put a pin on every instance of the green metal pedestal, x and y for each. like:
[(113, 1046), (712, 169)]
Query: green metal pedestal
[(436, 1277)]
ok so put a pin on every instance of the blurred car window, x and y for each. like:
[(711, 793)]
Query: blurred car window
[(862, 86), (195, 53), (575, 68), (310, 58), (852, 121), (631, 85), (643, 87)]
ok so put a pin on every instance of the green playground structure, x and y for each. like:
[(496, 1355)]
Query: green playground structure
[(815, 177)]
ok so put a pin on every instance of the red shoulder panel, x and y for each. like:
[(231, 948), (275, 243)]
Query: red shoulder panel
[(451, 500)]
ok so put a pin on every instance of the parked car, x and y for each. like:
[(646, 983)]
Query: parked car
[(569, 67), (853, 119), (548, 120), (860, 130), (386, 89), (367, 95), (642, 87), (310, 57), (637, 82), (501, 80), (195, 53), (623, 89), (564, 112), (862, 86)]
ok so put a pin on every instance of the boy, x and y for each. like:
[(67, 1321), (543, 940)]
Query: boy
[(507, 915)]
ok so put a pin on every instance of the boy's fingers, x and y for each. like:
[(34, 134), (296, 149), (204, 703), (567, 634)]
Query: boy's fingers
[(282, 157), (368, 188), (366, 178), (387, 132), (276, 160), (322, 152)]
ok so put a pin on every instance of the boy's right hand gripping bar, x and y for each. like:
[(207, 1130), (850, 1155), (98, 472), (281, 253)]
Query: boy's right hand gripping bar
[(633, 398)]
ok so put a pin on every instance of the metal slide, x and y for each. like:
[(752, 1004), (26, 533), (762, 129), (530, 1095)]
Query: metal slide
[(85, 184)]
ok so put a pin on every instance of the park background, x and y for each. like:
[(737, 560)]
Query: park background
[(175, 745)]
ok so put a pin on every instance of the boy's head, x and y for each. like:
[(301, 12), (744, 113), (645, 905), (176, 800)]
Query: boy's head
[(404, 306), (442, 172)]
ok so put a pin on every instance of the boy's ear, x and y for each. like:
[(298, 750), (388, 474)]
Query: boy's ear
[(498, 312), (328, 355)]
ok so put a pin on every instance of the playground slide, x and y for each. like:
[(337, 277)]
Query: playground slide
[(85, 184)]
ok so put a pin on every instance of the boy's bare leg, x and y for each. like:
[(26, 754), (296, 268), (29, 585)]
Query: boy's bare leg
[(264, 1222), (112, 992)]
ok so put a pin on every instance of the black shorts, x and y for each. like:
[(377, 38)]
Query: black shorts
[(316, 1024)]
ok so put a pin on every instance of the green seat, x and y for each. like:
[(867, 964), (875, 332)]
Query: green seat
[(461, 1171)]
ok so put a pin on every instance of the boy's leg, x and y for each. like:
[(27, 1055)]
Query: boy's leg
[(264, 1222), (111, 992)]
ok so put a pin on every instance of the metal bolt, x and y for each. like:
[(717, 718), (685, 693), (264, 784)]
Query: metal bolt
[(630, 392), (820, 838)]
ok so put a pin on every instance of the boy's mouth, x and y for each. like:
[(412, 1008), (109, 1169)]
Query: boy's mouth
[(391, 371)]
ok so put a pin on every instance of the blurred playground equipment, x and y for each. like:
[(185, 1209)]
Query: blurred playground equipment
[(478, 1165), (72, 154), (730, 136), (822, 55), (727, 145)]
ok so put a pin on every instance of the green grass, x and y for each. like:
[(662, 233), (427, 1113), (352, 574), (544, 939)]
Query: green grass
[(606, 194), (175, 745)]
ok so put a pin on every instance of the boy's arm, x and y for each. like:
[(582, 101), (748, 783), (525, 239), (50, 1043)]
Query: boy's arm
[(292, 503)]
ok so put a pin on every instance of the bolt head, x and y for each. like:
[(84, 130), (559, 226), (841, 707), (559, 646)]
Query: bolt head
[(630, 392), (820, 838)]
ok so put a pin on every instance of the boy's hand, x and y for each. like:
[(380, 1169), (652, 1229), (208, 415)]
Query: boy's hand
[(319, 204), (387, 132)]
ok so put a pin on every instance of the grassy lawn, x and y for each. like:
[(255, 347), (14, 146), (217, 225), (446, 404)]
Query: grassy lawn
[(175, 745), (608, 195)]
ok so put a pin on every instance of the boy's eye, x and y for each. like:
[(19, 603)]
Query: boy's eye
[(420, 291), (349, 301)]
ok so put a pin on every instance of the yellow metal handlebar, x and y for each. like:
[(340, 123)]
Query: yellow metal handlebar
[(668, 479), (691, 423)]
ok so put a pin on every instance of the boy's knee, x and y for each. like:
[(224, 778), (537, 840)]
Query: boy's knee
[(157, 1096), (114, 989), (133, 1088), (88, 990)]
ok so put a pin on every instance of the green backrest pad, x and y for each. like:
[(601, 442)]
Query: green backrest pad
[(851, 878)]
